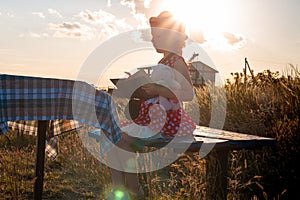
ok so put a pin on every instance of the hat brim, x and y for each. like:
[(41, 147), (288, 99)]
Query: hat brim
[(153, 21), (167, 21)]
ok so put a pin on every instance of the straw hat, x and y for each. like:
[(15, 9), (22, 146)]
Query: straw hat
[(166, 20)]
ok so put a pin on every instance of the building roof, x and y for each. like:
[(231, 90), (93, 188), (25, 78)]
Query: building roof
[(202, 67)]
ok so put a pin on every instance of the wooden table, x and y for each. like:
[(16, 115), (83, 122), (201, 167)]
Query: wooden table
[(49, 99), (218, 144)]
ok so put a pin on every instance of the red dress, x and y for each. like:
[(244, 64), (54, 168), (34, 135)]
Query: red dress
[(168, 123)]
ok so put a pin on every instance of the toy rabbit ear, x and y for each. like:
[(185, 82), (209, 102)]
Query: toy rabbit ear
[(164, 83), (175, 85)]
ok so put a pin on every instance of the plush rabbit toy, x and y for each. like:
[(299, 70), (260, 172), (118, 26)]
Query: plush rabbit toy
[(165, 76)]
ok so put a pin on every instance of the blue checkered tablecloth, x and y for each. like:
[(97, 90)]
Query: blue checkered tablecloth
[(67, 104), (54, 129)]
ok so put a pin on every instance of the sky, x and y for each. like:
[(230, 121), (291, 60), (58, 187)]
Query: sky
[(55, 38)]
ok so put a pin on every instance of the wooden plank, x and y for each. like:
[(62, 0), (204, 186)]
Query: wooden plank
[(40, 159), (208, 140), (239, 141), (193, 146), (226, 135), (231, 140), (162, 142)]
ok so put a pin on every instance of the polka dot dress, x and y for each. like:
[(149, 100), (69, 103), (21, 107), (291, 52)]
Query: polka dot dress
[(154, 115)]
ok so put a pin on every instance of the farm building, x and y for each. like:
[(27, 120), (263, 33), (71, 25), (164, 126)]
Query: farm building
[(201, 74)]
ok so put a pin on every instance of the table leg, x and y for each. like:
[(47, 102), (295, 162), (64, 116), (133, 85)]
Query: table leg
[(217, 175), (40, 159)]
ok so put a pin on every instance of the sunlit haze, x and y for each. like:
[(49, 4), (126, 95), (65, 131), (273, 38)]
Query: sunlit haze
[(53, 38)]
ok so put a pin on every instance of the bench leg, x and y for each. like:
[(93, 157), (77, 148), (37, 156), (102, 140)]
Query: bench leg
[(217, 174), (40, 159)]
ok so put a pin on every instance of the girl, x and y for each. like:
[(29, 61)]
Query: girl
[(168, 38)]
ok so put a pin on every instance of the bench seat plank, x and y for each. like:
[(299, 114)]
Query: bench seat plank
[(226, 135)]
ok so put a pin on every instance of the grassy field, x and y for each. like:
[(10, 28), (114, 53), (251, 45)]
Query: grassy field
[(267, 105), (76, 174)]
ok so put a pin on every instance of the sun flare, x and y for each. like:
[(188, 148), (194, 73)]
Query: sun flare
[(207, 15)]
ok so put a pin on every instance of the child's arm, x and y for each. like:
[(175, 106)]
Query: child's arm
[(185, 93)]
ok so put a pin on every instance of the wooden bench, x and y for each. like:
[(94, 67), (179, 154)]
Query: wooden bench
[(219, 143)]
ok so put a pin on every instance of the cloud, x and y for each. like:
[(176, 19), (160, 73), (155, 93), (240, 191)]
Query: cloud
[(233, 39), (96, 16), (142, 35), (91, 25), (109, 3), (197, 36), (34, 35), (39, 14), (147, 3), (137, 6), (10, 15), (37, 35), (130, 4), (103, 24), (71, 30), (86, 25), (67, 26), (225, 41), (54, 12), (139, 9)]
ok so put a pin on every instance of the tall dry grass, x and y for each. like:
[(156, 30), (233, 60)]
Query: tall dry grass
[(75, 174), (267, 105)]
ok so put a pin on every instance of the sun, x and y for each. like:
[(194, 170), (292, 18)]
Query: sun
[(207, 15)]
